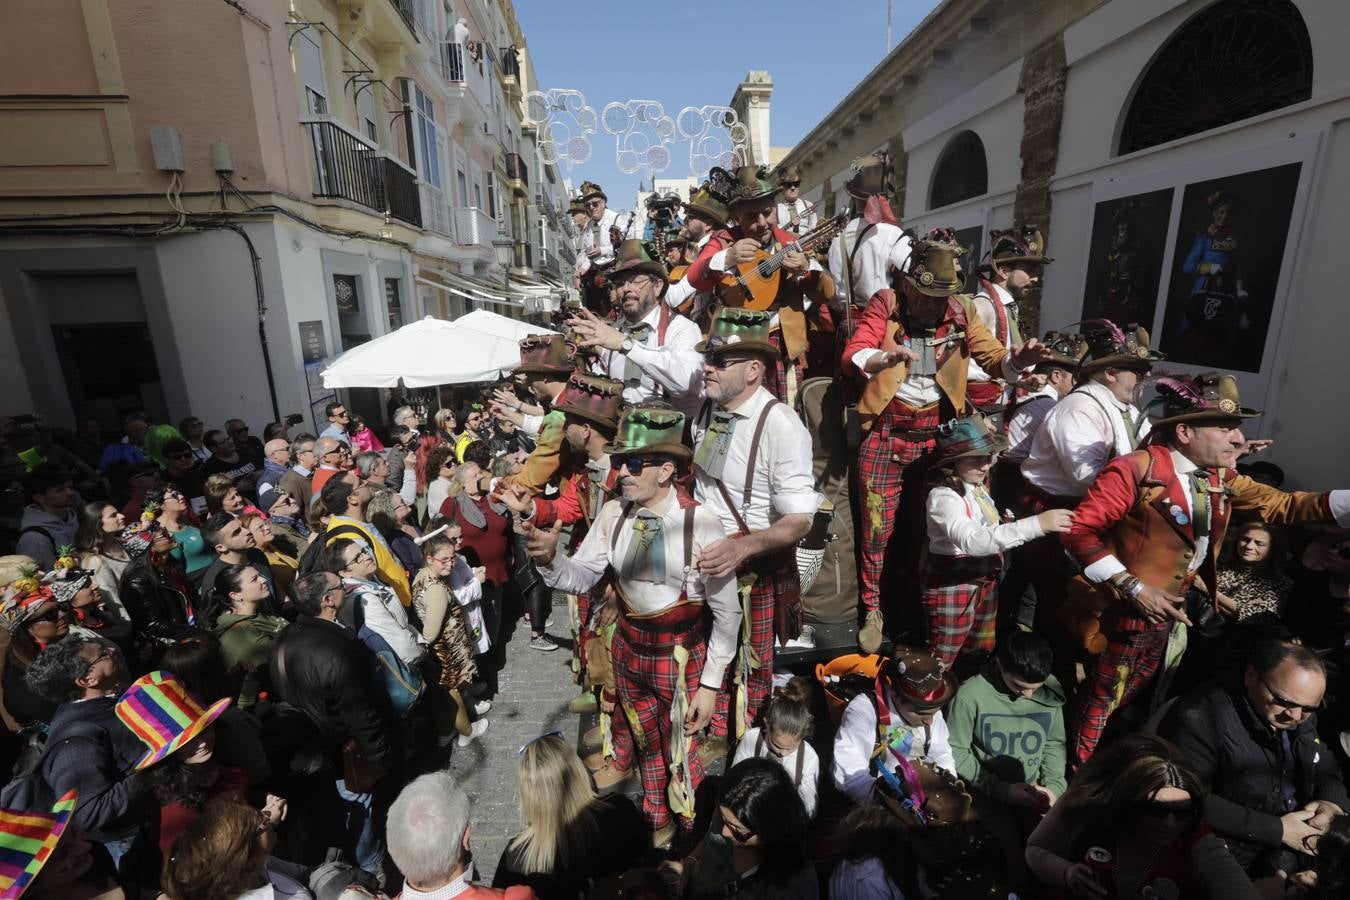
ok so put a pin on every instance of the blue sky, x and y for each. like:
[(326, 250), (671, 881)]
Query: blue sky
[(695, 52)]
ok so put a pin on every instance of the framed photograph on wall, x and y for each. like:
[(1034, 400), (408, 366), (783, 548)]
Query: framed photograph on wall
[(1125, 258), (1225, 271)]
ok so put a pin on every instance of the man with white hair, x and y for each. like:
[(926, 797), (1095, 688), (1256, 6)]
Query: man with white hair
[(427, 833)]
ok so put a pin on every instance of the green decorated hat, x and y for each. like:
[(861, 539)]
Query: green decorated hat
[(739, 330), (592, 398), (546, 354), (632, 257), (705, 203), (931, 267), (1210, 397), (969, 436), (745, 184), (653, 430)]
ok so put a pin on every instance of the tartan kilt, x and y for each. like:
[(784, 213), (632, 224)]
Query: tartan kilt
[(960, 597), (646, 675), (886, 466)]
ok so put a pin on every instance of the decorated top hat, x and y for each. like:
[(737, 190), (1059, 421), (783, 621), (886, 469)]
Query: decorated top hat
[(162, 712), (739, 330), (931, 267), (705, 203), (1017, 245), (27, 841), (1209, 397), (650, 430), (868, 178), (577, 205), (968, 436), (745, 184), (1111, 345), (1067, 350), (590, 189), (791, 173), (632, 258), (592, 398), (545, 354), (918, 679)]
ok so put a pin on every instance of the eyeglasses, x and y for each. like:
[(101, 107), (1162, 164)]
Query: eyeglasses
[(634, 464), (1287, 704), (557, 733)]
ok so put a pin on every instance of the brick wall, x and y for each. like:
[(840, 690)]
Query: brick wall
[(1042, 88)]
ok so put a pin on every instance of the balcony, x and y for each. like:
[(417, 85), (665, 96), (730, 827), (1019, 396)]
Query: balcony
[(347, 166), (473, 227), (517, 173)]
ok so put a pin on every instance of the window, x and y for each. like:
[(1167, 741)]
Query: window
[(1231, 61), (311, 71), (365, 110), (393, 300), (430, 140), (961, 171)]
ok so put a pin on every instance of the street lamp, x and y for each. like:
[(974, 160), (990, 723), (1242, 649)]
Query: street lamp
[(505, 248)]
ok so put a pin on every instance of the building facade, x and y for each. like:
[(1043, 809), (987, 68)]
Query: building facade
[(201, 203), (1183, 157)]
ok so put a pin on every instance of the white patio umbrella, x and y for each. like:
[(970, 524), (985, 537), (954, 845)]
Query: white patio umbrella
[(432, 352)]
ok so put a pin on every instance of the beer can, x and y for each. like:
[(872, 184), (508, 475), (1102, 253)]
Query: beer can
[(1099, 861)]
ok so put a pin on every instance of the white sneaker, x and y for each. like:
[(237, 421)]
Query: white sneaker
[(482, 708), (478, 730)]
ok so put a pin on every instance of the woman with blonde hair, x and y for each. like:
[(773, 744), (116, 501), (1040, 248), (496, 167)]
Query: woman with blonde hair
[(571, 835)]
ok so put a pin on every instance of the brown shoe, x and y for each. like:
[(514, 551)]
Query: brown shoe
[(610, 775), (870, 635), (592, 737)]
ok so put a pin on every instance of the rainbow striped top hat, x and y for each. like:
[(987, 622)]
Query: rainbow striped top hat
[(164, 715), (27, 840)]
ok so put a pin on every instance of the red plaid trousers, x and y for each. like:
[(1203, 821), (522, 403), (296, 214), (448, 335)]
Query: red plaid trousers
[(887, 465), (960, 596), (1119, 673), (763, 599), (646, 675)]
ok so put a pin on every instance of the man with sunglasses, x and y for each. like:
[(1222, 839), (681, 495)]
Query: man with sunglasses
[(794, 213), (665, 665), (1152, 525), (1272, 784), (752, 468), (649, 347)]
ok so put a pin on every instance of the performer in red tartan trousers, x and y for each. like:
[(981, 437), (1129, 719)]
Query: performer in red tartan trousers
[(966, 541), (590, 407), (1153, 522), (649, 542), (913, 345), (749, 195), (752, 467)]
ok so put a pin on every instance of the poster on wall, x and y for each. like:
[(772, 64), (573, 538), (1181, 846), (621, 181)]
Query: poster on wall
[(314, 353), (1230, 245), (1129, 237)]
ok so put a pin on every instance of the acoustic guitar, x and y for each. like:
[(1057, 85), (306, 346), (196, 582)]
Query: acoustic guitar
[(754, 284)]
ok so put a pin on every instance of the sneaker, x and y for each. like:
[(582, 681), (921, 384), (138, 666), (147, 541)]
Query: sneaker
[(481, 708), (611, 776), (477, 731), (543, 642), (870, 635), (583, 703)]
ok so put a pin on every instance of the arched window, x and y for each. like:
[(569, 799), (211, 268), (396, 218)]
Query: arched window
[(1233, 60), (961, 171)]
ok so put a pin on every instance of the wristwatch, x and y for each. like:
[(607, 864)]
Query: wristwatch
[(626, 345)]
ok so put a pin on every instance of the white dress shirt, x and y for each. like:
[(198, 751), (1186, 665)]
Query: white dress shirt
[(1083, 432), (857, 738), (673, 370), (783, 484), (959, 526), (786, 212), (883, 246), (1026, 420), (579, 572), (745, 749)]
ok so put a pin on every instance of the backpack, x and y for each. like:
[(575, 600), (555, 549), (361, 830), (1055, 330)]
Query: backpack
[(309, 560)]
